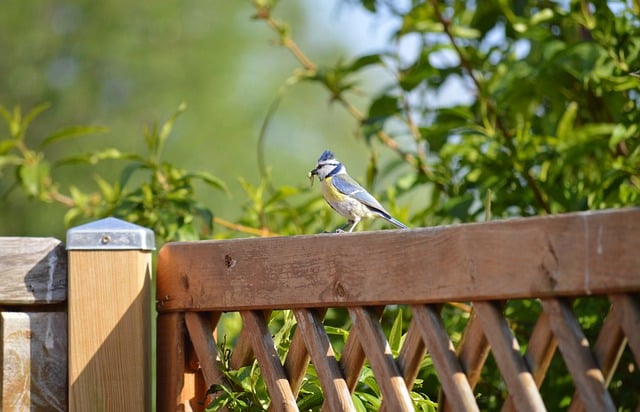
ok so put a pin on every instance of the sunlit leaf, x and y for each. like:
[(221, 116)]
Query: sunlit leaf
[(72, 132)]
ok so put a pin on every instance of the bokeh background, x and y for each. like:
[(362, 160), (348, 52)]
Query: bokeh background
[(126, 65)]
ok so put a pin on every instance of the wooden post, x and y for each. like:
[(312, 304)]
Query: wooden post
[(109, 316)]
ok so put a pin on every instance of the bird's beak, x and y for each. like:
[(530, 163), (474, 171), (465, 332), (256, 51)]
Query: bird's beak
[(312, 173)]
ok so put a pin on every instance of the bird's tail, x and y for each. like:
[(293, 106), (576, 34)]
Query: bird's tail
[(396, 222)]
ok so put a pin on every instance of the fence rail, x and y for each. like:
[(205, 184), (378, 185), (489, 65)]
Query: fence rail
[(554, 259)]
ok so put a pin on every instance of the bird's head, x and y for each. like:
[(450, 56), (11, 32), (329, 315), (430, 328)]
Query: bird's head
[(327, 165)]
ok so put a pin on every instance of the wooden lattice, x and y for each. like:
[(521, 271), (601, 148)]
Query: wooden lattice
[(552, 259)]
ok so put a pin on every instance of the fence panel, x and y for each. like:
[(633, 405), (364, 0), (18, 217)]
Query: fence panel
[(555, 260)]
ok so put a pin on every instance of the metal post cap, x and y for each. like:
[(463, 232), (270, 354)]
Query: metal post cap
[(110, 234)]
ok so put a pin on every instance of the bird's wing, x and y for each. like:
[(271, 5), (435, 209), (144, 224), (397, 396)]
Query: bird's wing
[(348, 186)]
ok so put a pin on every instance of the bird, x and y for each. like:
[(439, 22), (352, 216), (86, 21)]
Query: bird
[(345, 195)]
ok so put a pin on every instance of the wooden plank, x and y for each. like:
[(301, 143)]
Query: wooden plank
[(109, 309), (394, 391), (574, 347), (628, 314), (282, 398), (172, 391), (542, 345), (34, 361), (506, 351), (33, 271), (573, 254), (353, 356), (242, 354), (452, 378), (336, 393), (298, 359), (607, 352), (411, 354), (472, 351), (201, 333)]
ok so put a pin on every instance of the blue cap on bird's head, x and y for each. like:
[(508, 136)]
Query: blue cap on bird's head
[(326, 155)]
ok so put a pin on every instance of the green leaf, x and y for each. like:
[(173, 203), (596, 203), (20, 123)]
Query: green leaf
[(32, 176), (6, 146), (72, 132), (565, 125), (168, 126), (211, 180), (10, 160), (395, 335), (383, 107), (363, 61)]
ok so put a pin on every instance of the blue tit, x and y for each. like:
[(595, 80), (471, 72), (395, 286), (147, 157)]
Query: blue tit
[(345, 195)]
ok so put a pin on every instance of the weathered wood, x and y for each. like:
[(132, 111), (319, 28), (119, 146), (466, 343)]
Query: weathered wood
[(472, 351), (607, 352), (298, 358), (454, 382), (200, 331), (34, 361), (336, 392), (172, 390), (628, 314), (353, 356), (574, 347), (282, 398), (542, 345), (109, 330), (574, 254), (394, 391), (411, 354), (33, 271), (506, 351)]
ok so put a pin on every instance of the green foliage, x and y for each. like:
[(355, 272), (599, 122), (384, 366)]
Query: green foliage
[(149, 191)]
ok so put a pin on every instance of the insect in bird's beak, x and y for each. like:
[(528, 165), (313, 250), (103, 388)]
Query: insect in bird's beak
[(312, 173)]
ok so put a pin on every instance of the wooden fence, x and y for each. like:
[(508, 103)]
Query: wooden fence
[(33, 324), (75, 320), (553, 259), (75, 323)]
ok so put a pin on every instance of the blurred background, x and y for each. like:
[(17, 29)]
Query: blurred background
[(125, 66)]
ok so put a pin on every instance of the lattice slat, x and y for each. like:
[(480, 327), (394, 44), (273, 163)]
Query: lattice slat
[(472, 351), (607, 352), (540, 349), (353, 356), (282, 398), (506, 351), (336, 392), (574, 347), (200, 331), (454, 382), (376, 347), (411, 354), (297, 361), (628, 313)]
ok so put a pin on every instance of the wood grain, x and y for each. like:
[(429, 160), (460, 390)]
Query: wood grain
[(34, 361), (506, 352), (275, 378), (563, 255), (454, 382), (573, 345), (336, 393), (394, 391), (109, 330), (33, 271)]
